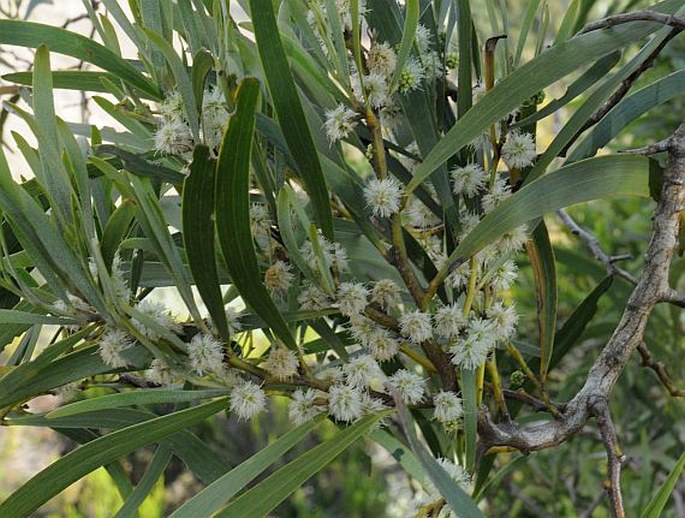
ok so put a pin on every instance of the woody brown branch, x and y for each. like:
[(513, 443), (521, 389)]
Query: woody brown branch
[(628, 335)]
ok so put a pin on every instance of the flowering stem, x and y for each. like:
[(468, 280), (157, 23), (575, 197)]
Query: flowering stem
[(516, 355), (489, 78), (471, 292), (418, 358), (497, 393), (399, 258)]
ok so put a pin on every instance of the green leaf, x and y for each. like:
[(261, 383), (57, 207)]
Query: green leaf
[(528, 80), (658, 501), (198, 235), (213, 497), (233, 211), (137, 397), (154, 470), (82, 80), (590, 179), (573, 327), (465, 33), (544, 272), (469, 393), (116, 229), (78, 463), (265, 496), (627, 110), (202, 64), (53, 175), (411, 22), (30, 34), (183, 82), (454, 495), (12, 316), (288, 107)]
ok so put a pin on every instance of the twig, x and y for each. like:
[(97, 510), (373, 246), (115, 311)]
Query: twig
[(615, 457), (673, 297), (609, 261), (628, 334), (638, 16), (660, 370), (620, 92)]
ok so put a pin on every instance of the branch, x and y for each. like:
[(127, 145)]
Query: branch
[(615, 457), (639, 16), (627, 336), (673, 297), (609, 261), (660, 370)]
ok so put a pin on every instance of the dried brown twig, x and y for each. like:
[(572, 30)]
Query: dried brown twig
[(660, 370), (638, 16), (609, 261)]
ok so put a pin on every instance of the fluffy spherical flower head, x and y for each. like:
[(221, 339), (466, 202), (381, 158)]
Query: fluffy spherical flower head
[(339, 122), (156, 311), (432, 65), (376, 90), (456, 473), (282, 363), (416, 326), (160, 372), (247, 400), (260, 220), (278, 278), (383, 346), (519, 150), (351, 298), (172, 107), (503, 319), (371, 405), (382, 59), (345, 402), (504, 277), (499, 192), (385, 293), (362, 370), (449, 321), (409, 385), (514, 240), (468, 180), (303, 407), (312, 298), (333, 253), (470, 353), (113, 343), (331, 375), (423, 38), (174, 138), (448, 409), (411, 76), (205, 353), (419, 215), (383, 196)]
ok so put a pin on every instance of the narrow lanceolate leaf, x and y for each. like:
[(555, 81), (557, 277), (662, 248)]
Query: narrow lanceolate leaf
[(627, 110), (137, 397), (658, 502), (54, 175), (591, 179), (465, 34), (85, 81), (146, 485), (213, 497), (455, 497), (529, 79), (411, 22), (78, 463), (233, 211), (544, 272), (264, 497), (183, 82), (289, 110), (11, 316), (29, 34), (469, 393), (198, 235)]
